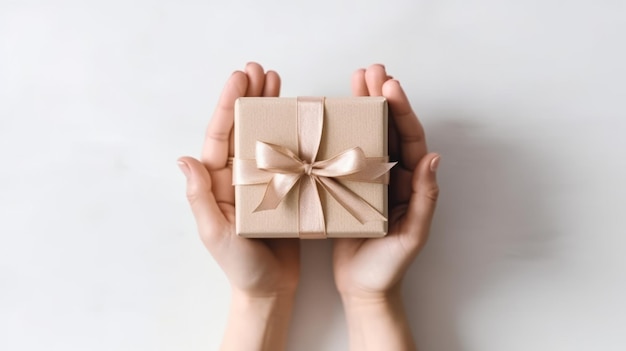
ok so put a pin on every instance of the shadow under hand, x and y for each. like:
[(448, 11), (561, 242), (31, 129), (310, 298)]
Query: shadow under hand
[(489, 220)]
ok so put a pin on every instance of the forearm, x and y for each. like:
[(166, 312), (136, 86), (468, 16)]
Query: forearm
[(257, 323), (378, 323)]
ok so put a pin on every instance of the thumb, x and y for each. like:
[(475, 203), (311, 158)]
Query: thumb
[(209, 218), (424, 194)]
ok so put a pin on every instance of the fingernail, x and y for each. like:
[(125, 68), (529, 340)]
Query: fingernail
[(434, 163), (184, 168)]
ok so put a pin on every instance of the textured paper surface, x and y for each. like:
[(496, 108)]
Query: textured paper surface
[(348, 122)]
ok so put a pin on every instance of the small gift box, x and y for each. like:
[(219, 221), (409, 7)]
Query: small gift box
[(311, 167)]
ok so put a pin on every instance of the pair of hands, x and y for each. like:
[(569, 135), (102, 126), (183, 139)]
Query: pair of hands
[(363, 268)]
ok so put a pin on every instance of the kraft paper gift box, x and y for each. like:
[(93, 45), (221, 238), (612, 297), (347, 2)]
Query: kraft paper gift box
[(311, 167)]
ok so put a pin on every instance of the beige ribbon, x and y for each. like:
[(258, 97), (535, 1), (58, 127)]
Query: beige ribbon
[(283, 169)]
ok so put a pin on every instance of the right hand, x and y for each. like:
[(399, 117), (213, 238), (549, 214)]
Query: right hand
[(254, 267)]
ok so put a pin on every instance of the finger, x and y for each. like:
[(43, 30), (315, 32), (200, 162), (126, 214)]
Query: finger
[(217, 141), (410, 132), (424, 194), (256, 79), (272, 84), (359, 88), (223, 190), (209, 218), (393, 140), (375, 77)]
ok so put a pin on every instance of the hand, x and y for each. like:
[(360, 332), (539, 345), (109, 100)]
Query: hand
[(263, 274), (254, 267), (373, 267), (369, 272)]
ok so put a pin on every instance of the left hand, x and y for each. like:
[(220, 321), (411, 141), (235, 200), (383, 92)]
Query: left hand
[(372, 268)]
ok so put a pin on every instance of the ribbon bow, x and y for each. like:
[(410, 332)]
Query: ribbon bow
[(289, 169)]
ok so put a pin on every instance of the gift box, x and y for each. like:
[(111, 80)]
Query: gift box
[(311, 167)]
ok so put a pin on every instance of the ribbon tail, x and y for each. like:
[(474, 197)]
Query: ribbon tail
[(353, 203), (374, 172), (276, 190), (310, 213)]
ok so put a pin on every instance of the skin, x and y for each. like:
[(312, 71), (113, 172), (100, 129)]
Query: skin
[(263, 274), (368, 272)]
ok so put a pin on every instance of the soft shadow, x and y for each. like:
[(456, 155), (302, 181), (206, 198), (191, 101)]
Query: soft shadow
[(488, 216)]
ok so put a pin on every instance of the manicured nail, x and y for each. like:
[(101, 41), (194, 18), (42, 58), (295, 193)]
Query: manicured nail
[(434, 163), (184, 168)]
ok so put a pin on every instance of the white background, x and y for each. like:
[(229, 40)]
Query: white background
[(524, 100)]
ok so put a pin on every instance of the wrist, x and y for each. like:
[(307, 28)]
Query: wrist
[(371, 297), (266, 303), (377, 321), (258, 322), (372, 302)]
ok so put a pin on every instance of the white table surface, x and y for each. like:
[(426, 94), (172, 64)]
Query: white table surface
[(524, 100)]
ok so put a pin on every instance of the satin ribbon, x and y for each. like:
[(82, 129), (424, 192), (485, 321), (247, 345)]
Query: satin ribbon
[(282, 170)]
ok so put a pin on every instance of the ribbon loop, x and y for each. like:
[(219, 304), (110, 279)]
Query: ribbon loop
[(276, 158), (346, 163)]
